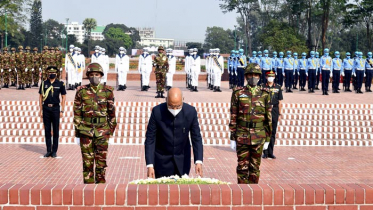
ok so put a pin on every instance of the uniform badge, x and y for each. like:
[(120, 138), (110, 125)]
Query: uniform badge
[(243, 96)]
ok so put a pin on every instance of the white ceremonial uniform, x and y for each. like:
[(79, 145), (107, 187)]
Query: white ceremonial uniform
[(122, 66), (145, 68), (195, 66), (171, 70), (70, 67), (217, 70)]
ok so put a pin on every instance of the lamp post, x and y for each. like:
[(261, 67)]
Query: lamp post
[(67, 23), (6, 29), (235, 37)]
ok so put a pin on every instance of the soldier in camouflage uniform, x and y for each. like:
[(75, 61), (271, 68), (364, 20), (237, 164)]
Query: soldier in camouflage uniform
[(21, 68), (12, 63), (58, 62), (45, 62), (5, 66), (36, 67), (95, 122), (161, 68), (250, 125), (29, 66)]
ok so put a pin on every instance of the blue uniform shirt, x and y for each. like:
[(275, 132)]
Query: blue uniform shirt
[(266, 63), (359, 64), (289, 64), (369, 63), (312, 63), (302, 64), (274, 62), (280, 64), (232, 65), (241, 61), (337, 64), (326, 63), (252, 60)]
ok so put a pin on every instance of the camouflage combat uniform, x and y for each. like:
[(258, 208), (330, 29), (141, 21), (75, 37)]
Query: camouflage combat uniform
[(37, 65), (250, 127), (5, 65), (95, 122), (58, 62), (45, 62), (21, 66), (12, 64), (161, 68), (29, 65)]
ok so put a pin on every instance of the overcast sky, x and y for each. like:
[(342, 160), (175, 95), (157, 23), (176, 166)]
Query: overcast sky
[(184, 20)]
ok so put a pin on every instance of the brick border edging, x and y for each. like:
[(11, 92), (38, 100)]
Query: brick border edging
[(323, 196)]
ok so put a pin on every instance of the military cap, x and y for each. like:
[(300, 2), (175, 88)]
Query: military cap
[(160, 48), (51, 48), (52, 69), (281, 53), (271, 74), (240, 50), (190, 50), (348, 53), (360, 53), (253, 68), (304, 54), (236, 51), (336, 53), (260, 52), (103, 50), (79, 50), (233, 51), (369, 53), (254, 52), (195, 50), (28, 48), (13, 49), (217, 50), (312, 53), (145, 49), (265, 51), (94, 67), (35, 49), (295, 54), (326, 50), (45, 48), (57, 49), (71, 46), (122, 49), (5, 49), (274, 53), (20, 47), (288, 53)]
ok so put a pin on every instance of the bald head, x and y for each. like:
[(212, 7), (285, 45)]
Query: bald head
[(174, 98)]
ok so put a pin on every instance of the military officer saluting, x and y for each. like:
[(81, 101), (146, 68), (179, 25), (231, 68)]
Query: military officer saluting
[(51, 110), (250, 125), (95, 122), (275, 91)]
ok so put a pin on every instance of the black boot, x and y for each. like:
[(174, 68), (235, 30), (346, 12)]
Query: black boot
[(6, 85), (158, 95), (369, 90), (192, 89), (143, 88), (317, 88), (212, 87), (54, 155), (290, 91), (124, 87), (195, 89), (104, 83), (162, 95), (23, 87), (48, 154), (19, 87), (326, 92)]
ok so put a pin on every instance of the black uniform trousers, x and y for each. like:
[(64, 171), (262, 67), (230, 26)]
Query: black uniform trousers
[(289, 78), (336, 79), (275, 115), (232, 77), (359, 78), (368, 79), (51, 118), (325, 79), (295, 79), (302, 78), (240, 77), (280, 77), (347, 79), (318, 73), (311, 78), (263, 79)]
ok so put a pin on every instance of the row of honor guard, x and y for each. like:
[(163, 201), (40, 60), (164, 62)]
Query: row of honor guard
[(290, 70), (214, 69), (74, 66), (24, 69)]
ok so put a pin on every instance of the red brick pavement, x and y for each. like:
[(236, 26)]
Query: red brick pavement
[(21, 163), (133, 93)]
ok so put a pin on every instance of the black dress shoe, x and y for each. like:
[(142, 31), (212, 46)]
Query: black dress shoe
[(272, 156), (48, 154), (265, 156), (326, 92), (54, 155), (317, 88), (158, 95)]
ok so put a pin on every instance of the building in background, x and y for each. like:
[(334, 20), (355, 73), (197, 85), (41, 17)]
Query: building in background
[(78, 30), (148, 39)]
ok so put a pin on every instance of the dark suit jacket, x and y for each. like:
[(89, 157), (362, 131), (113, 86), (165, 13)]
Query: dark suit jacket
[(167, 143)]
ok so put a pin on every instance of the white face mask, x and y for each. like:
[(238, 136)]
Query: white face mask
[(103, 53), (121, 52), (78, 53), (71, 50), (96, 51), (271, 79), (174, 112)]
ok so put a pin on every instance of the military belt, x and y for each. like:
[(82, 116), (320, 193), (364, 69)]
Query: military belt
[(95, 120), (161, 67), (51, 105), (311, 69), (250, 124), (348, 69), (266, 69), (368, 68)]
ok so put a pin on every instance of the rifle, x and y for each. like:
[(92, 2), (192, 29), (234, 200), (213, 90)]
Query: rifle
[(1, 80), (17, 85), (67, 78), (117, 82), (141, 81)]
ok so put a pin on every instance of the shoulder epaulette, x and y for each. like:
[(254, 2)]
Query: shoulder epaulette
[(82, 87), (109, 88)]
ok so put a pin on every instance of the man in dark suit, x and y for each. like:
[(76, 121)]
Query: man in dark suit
[(167, 143)]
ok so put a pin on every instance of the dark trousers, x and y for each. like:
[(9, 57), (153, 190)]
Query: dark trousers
[(51, 118), (302, 78), (175, 171), (347, 79), (359, 78), (325, 79), (311, 78), (318, 78), (240, 77), (280, 77), (263, 79), (368, 79), (336, 79), (275, 115), (295, 79), (288, 78), (232, 77)]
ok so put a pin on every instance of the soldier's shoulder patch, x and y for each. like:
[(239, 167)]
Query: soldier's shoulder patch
[(109, 88), (243, 96), (237, 89), (82, 87)]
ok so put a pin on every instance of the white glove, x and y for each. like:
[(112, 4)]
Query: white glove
[(365, 75), (235, 73), (32, 69), (343, 74), (276, 73), (15, 69), (354, 74), (111, 140), (26, 69), (294, 73), (60, 69), (265, 145), (77, 140), (39, 69), (233, 145), (306, 74), (331, 75), (10, 70), (1, 70), (283, 74)]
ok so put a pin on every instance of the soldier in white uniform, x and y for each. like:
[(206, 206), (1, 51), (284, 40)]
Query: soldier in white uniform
[(218, 70), (187, 67), (122, 66), (80, 60), (208, 58), (145, 69), (70, 68), (96, 56), (171, 70), (195, 70), (105, 66)]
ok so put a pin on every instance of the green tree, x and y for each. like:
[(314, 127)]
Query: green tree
[(89, 24), (132, 32), (197, 45), (53, 30), (279, 36), (36, 24), (118, 34), (217, 37)]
